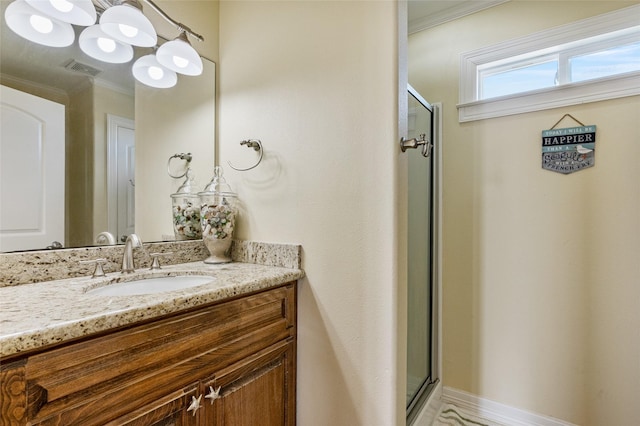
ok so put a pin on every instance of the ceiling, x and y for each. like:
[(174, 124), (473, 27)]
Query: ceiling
[(24, 60)]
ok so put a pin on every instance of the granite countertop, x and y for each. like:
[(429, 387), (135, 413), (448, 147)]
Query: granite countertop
[(37, 315)]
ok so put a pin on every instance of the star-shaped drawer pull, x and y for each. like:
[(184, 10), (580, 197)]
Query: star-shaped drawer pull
[(195, 404), (213, 394)]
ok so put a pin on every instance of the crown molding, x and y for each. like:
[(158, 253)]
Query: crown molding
[(454, 12), (28, 85)]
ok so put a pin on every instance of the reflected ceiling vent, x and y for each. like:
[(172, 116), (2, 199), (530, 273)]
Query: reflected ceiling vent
[(76, 66)]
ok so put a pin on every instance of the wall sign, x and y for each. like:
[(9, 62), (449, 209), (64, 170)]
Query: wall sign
[(569, 149)]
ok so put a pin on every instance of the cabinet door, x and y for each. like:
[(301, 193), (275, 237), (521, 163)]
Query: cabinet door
[(175, 409), (258, 391)]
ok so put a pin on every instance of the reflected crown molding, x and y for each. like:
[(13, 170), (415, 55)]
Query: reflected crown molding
[(13, 81)]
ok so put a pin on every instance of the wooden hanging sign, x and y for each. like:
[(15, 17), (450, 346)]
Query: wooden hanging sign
[(569, 149)]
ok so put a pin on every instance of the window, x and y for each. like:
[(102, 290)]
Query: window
[(517, 78), (602, 63), (589, 60)]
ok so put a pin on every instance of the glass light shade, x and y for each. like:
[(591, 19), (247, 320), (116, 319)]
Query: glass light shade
[(178, 55), (147, 70), (77, 12), (95, 43), (37, 27), (127, 24)]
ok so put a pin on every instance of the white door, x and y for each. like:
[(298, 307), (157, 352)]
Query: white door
[(31, 171), (121, 179)]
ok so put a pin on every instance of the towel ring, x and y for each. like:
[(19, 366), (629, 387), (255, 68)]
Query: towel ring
[(257, 146), (187, 157)]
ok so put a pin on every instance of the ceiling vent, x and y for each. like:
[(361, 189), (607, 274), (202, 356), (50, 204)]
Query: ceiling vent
[(76, 66)]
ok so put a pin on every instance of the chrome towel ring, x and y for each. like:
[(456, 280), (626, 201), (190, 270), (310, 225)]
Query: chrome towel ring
[(257, 146), (186, 157)]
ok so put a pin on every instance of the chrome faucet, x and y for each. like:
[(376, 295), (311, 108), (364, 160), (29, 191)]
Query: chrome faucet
[(127, 258)]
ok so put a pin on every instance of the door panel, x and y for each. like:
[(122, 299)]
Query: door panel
[(257, 391), (121, 176), (420, 252), (32, 143)]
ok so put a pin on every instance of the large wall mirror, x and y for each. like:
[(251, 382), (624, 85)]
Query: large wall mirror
[(113, 126)]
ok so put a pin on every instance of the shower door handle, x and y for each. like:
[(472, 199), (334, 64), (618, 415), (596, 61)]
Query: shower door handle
[(414, 143)]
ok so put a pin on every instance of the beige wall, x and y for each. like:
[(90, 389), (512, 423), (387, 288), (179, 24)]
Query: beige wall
[(79, 167), (316, 83), (540, 269), (176, 120)]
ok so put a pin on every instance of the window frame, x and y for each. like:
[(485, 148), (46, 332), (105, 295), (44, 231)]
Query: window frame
[(564, 42)]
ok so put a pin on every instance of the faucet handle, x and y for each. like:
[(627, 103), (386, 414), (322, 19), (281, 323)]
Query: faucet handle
[(155, 263), (98, 271)]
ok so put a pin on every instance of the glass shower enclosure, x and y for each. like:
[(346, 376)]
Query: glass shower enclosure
[(421, 307)]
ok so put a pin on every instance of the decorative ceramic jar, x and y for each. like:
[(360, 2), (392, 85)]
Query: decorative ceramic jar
[(218, 209), (186, 212)]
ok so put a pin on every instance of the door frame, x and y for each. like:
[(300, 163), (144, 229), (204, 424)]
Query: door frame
[(429, 403)]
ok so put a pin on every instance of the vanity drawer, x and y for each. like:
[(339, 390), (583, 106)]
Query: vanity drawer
[(99, 379)]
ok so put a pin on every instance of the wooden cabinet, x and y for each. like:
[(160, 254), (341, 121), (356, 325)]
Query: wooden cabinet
[(231, 363), (168, 411)]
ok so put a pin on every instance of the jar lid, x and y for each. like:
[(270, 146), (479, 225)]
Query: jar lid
[(185, 188), (218, 184)]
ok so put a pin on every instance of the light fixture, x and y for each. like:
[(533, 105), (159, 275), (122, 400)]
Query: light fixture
[(127, 24), (99, 45), (178, 55), (77, 12), (149, 71), (122, 24), (36, 26)]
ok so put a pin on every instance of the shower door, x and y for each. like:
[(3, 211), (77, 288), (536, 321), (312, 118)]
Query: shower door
[(420, 326)]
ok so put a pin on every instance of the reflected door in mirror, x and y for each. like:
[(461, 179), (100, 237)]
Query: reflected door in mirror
[(32, 147), (121, 176)]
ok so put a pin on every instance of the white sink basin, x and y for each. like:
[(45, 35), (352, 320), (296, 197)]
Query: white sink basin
[(151, 285)]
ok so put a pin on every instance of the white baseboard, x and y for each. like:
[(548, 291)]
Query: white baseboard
[(497, 412), (431, 408)]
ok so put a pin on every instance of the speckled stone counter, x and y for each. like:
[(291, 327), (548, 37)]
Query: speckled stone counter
[(41, 314), (46, 265)]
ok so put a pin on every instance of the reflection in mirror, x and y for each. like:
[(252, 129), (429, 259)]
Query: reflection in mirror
[(95, 188)]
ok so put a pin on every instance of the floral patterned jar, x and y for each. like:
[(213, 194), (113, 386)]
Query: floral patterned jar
[(218, 210), (186, 212)]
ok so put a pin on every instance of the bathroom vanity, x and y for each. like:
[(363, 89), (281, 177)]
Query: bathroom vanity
[(222, 353)]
